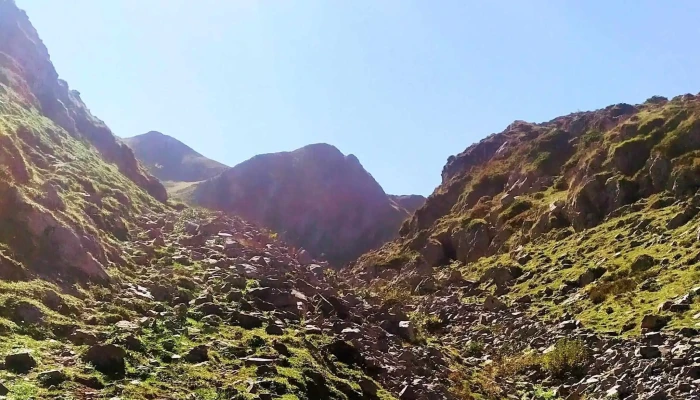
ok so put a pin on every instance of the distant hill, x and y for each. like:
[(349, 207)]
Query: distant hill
[(410, 202), (316, 197), (169, 159)]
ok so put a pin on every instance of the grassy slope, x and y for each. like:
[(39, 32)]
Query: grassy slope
[(149, 375), (667, 129), (50, 155)]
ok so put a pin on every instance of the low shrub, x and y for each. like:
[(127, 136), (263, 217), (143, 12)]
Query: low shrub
[(569, 357), (600, 292)]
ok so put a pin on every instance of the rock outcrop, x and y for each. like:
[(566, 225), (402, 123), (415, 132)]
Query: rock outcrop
[(168, 159), (314, 197)]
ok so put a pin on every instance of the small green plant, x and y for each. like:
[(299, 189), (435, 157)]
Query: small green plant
[(518, 207), (425, 324), (600, 292), (568, 357), (393, 294), (475, 348), (591, 137), (256, 342), (541, 393), (330, 273)]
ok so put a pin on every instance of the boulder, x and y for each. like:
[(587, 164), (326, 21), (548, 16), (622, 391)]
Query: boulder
[(407, 331), (316, 384), (682, 218), (345, 352), (590, 275), (246, 320), (648, 352), (654, 322), (500, 275), (409, 393), (493, 303), (276, 297), (27, 313), (642, 263), (304, 258), (368, 387), (273, 329), (180, 310), (52, 378), (426, 285), (20, 362), (433, 253), (472, 242), (209, 309), (81, 337), (107, 358), (197, 354)]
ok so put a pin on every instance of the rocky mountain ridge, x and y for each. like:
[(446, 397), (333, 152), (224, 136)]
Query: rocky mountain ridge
[(589, 221), (69, 188), (314, 197)]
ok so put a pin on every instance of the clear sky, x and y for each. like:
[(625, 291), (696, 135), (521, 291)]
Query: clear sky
[(400, 84)]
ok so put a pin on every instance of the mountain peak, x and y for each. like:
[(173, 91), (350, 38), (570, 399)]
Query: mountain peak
[(171, 160), (320, 148), (315, 196)]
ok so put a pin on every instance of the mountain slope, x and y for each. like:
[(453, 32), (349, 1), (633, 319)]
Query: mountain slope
[(168, 159), (29, 72), (68, 186), (582, 214), (105, 291), (316, 197), (564, 252)]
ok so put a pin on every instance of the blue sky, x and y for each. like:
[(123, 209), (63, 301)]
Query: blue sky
[(400, 84)]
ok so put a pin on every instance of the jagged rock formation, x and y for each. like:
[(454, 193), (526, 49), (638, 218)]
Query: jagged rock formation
[(168, 159), (315, 197)]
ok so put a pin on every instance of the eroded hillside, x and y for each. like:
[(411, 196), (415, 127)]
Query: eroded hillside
[(588, 222)]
